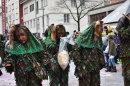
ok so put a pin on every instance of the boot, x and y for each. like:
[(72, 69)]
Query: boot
[(114, 69), (1, 73), (106, 65), (108, 69)]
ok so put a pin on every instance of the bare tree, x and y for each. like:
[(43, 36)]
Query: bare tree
[(9, 21), (77, 8)]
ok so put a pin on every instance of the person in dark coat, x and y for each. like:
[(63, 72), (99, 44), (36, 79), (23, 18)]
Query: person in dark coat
[(123, 31), (88, 55), (57, 75), (25, 57), (112, 53)]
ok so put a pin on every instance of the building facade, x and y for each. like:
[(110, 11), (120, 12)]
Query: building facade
[(12, 13), (0, 19), (108, 2), (103, 11), (37, 15)]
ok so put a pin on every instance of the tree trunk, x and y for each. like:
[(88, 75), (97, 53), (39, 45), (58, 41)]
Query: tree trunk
[(78, 22)]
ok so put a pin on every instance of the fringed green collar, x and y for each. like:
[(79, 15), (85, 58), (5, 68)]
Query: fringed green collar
[(48, 38), (32, 46), (86, 40)]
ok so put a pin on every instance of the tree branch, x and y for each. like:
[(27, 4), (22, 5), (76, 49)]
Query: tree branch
[(70, 11), (90, 9)]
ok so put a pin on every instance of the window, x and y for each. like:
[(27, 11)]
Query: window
[(9, 8), (66, 18), (37, 26), (37, 20), (26, 10), (13, 6), (41, 3), (96, 17), (37, 7), (31, 7), (33, 23), (47, 19), (13, 17), (73, 3), (30, 26), (16, 16), (6, 9), (9, 18), (27, 24), (16, 4), (45, 3), (82, 2)]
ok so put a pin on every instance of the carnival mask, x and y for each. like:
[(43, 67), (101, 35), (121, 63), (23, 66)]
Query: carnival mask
[(22, 35)]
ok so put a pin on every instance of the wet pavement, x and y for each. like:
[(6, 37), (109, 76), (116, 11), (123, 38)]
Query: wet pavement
[(107, 78)]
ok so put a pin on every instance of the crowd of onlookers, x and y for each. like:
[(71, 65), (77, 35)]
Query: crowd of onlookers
[(111, 50)]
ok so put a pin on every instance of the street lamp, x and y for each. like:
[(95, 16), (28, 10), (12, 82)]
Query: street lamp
[(42, 17)]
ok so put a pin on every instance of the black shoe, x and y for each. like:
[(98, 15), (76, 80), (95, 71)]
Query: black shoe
[(113, 69), (108, 69), (1, 73)]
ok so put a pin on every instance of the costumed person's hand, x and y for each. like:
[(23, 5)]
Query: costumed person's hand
[(58, 41), (48, 68), (47, 65), (9, 68)]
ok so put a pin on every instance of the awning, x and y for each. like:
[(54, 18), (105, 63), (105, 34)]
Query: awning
[(114, 16)]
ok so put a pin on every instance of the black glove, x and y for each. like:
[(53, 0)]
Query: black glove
[(9, 68), (57, 40), (1, 73), (48, 68)]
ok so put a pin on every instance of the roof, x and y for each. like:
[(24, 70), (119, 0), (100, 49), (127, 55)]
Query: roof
[(114, 16)]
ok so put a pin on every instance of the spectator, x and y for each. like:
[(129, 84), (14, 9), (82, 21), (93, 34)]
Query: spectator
[(105, 31), (67, 33), (46, 31), (112, 53), (74, 35)]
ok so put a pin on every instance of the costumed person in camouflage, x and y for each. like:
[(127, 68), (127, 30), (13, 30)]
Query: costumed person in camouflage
[(88, 55), (26, 57), (48, 29), (2, 53), (123, 31), (56, 73)]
